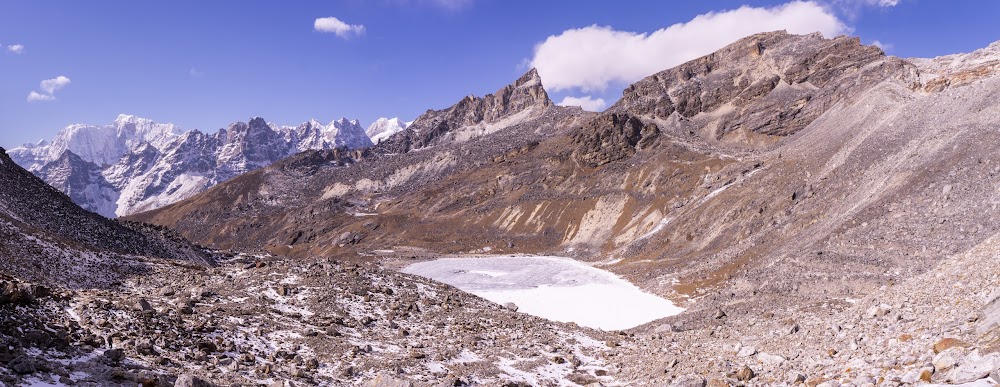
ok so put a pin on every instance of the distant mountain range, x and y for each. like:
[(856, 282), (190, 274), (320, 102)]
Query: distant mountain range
[(134, 164)]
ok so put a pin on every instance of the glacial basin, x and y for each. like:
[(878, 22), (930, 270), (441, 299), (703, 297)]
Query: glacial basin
[(554, 288)]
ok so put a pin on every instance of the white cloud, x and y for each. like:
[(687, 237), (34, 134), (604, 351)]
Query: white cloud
[(194, 72), (35, 96), (869, 3), (343, 30), (15, 48), (51, 85), (592, 58), (586, 102), (883, 46), (852, 9)]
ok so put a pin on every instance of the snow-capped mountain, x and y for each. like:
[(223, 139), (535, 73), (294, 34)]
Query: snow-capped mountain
[(99, 144), (382, 128), (134, 164)]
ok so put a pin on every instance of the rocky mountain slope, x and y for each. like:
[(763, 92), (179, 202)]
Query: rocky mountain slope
[(89, 301), (771, 188), (48, 239), (135, 164)]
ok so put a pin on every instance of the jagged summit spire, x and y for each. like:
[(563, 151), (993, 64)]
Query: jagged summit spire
[(529, 78)]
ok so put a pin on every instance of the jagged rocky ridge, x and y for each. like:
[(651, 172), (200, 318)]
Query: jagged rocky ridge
[(135, 164), (789, 181), (474, 117)]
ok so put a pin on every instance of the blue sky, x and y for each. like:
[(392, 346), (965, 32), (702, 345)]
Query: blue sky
[(204, 64)]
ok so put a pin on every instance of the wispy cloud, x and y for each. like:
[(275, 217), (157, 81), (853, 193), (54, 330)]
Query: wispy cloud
[(194, 72), (853, 8), (450, 4), (883, 46), (336, 26), (15, 48), (592, 58), (587, 102), (48, 87), (869, 3)]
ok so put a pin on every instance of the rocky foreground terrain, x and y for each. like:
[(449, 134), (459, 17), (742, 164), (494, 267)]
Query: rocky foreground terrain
[(256, 320), (825, 213)]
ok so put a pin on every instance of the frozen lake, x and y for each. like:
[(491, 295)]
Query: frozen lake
[(554, 288)]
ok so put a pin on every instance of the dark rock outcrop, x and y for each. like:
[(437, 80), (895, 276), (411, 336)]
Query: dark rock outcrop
[(612, 137)]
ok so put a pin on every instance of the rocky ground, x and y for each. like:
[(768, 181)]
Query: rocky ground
[(939, 327), (260, 320), (254, 321)]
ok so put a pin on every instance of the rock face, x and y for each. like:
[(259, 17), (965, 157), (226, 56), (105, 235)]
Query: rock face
[(773, 84), (612, 137), (475, 116), (941, 73), (134, 164), (82, 181)]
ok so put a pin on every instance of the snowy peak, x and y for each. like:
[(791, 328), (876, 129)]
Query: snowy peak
[(98, 144), (255, 129), (125, 119), (344, 133), (383, 128), (344, 122)]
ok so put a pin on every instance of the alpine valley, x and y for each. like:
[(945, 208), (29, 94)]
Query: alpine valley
[(798, 210)]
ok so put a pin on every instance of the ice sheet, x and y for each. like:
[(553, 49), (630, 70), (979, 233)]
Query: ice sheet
[(554, 288)]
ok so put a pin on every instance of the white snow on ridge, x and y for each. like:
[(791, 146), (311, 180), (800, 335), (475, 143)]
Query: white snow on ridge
[(554, 288), (383, 128)]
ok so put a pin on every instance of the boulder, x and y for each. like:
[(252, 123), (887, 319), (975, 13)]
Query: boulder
[(770, 360), (384, 379), (114, 354), (746, 351), (22, 365), (689, 381), (948, 359), (189, 380), (974, 367), (745, 374), (949, 343)]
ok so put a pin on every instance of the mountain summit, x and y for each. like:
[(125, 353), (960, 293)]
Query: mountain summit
[(383, 128), (474, 117)]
